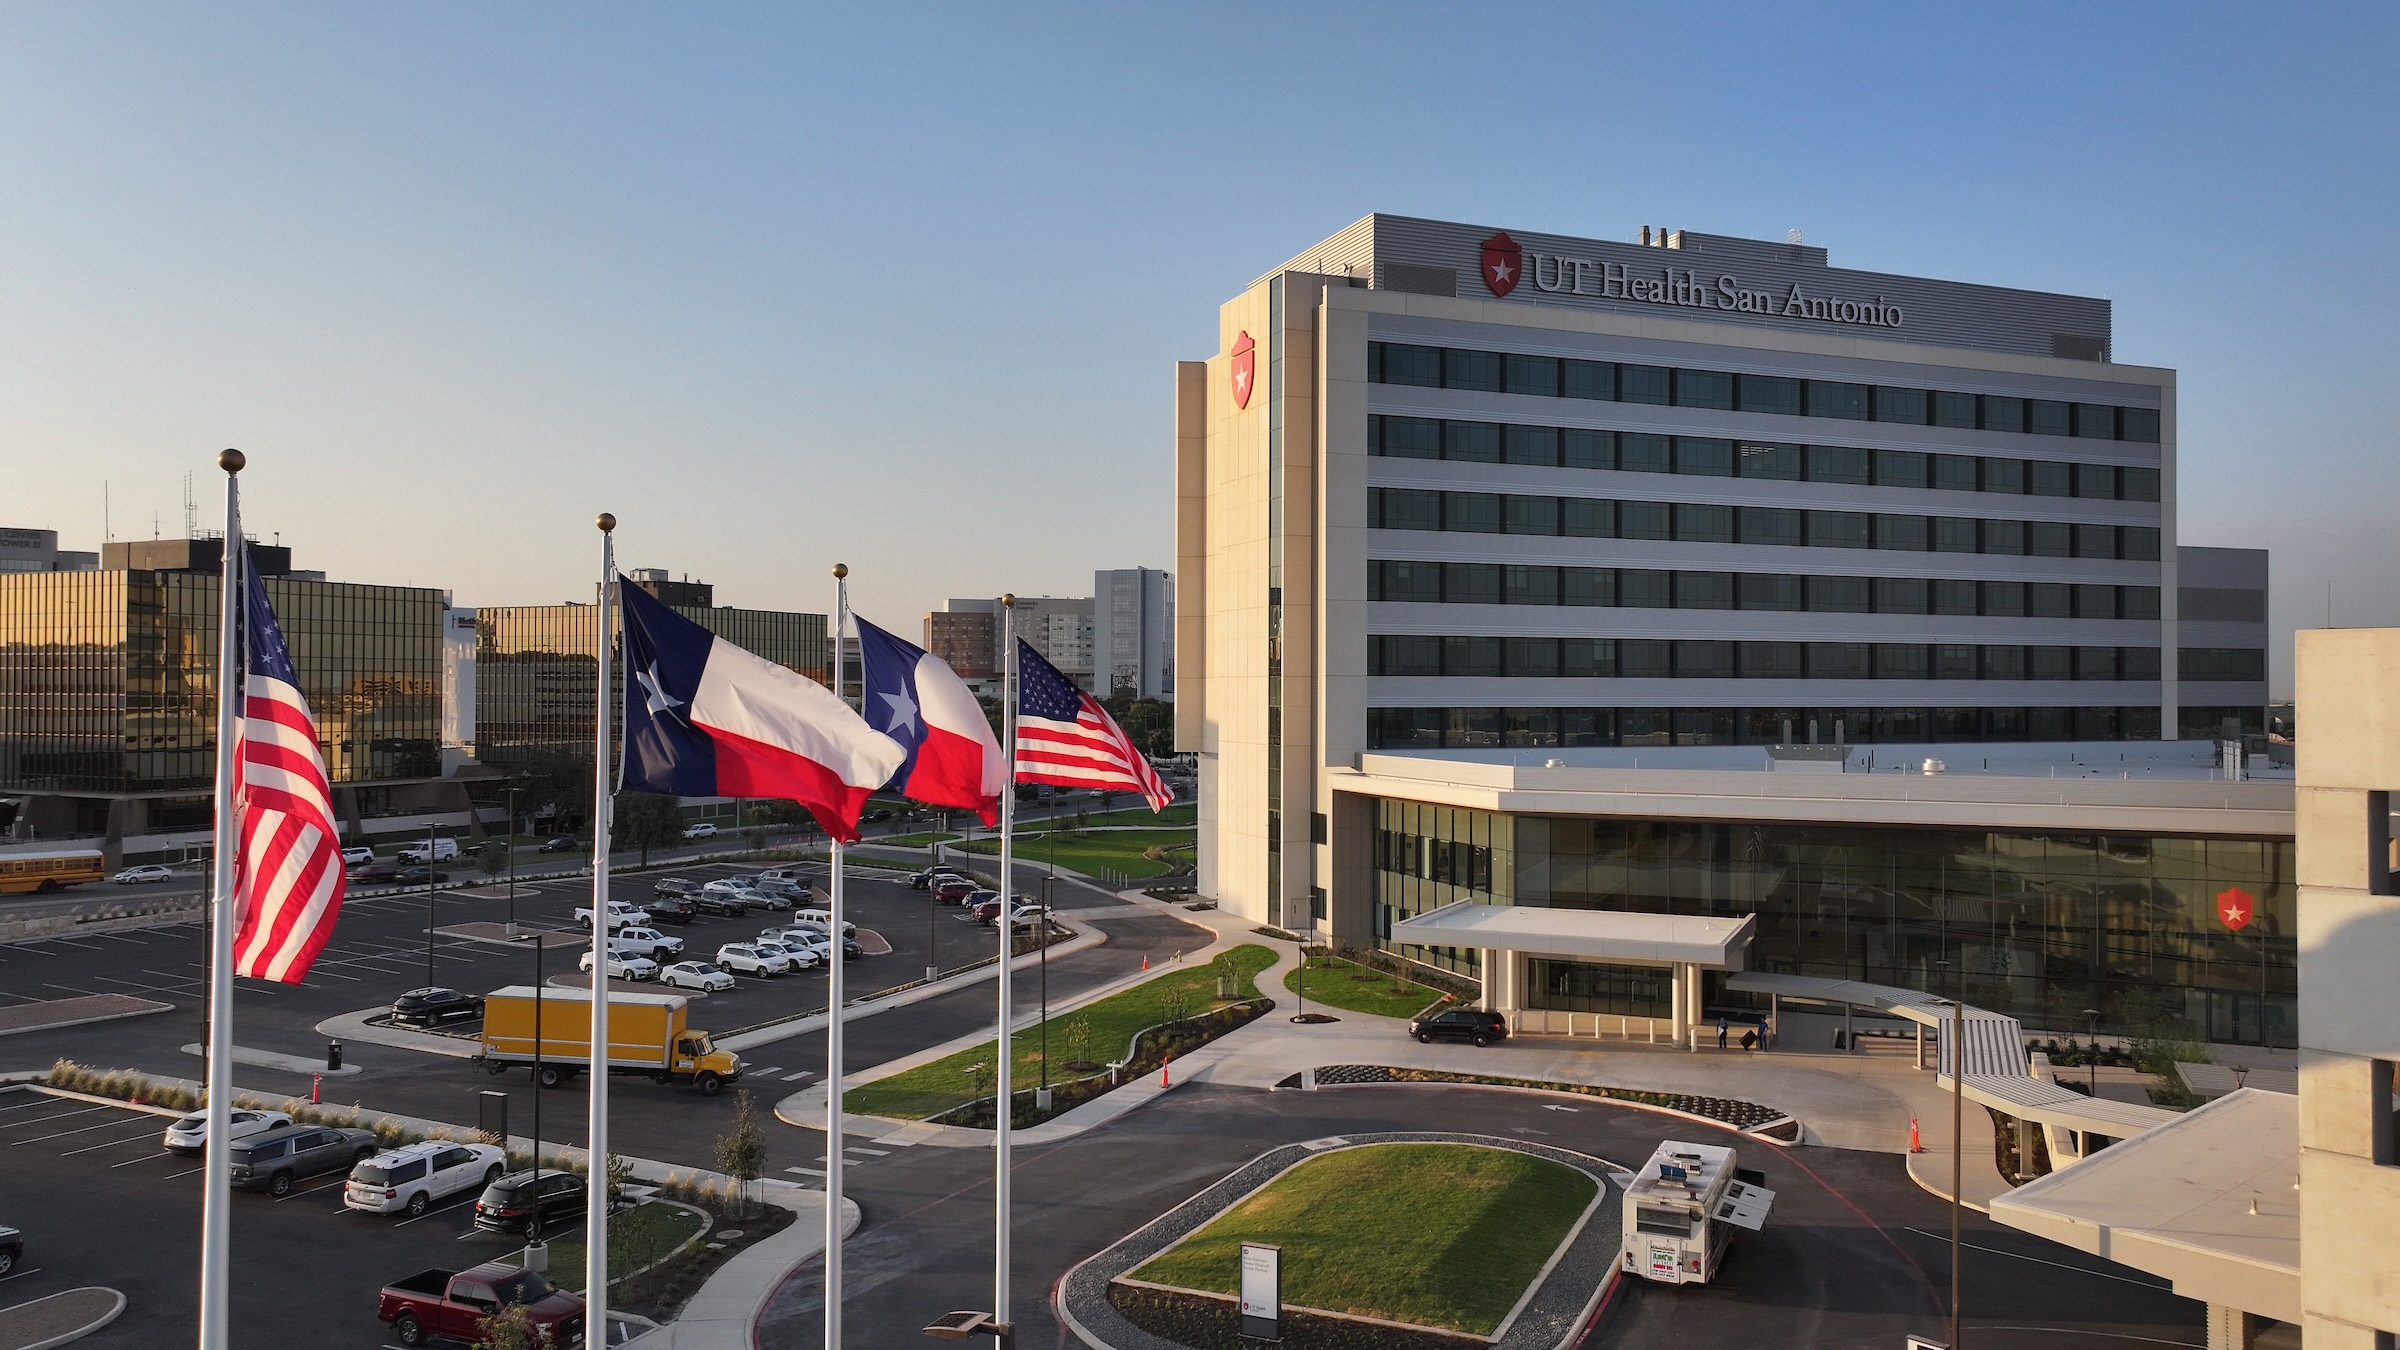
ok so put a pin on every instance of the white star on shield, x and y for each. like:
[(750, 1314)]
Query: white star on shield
[(1500, 270)]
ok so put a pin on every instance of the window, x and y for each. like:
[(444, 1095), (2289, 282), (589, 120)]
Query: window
[(1907, 406), (1641, 452), (2049, 600), (1471, 583), (2005, 537), (1397, 655), (1902, 661), (1772, 660), (1405, 728), (1645, 588), (2048, 478), (2048, 417), (1588, 586), (2138, 663), (1838, 464), (1406, 509), (2049, 663), (1467, 727), (1770, 590), (1533, 375), (1588, 518), (2096, 421), (1525, 726), (1906, 533), (1954, 661), (1954, 597), (1756, 459), (1642, 384), (1476, 442), (1703, 524), (1471, 657), (2221, 663), (2095, 541), (1704, 455), (2140, 485), (1529, 515), (2004, 475), (1405, 364), (1529, 585), (1643, 659), (2095, 724), (2140, 543), (2005, 661), (1704, 660), (1465, 369), (1955, 473), (1408, 437), (1588, 726), (2048, 724), (1958, 724), (1770, 525), (1419, 582), (2140, 424), (1903, 468), (1643, 520), (1839, 595), (1838, 529), (2049, 539), (1589, 379), (2095, 602), (1838, 660), (1587, 658), (1703, 389), (1901, 595), (1531, 658), (1770, 394), (1953, 410), (1472, 512), (1955, 534), (1703, 590), (1529, 445), (2004, 599), (1582, 449), (2003, 413), (1829, 398), (2096, 480), (2137, 602)]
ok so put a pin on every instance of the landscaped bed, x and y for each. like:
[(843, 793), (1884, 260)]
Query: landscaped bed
[(1436, 1235), (1733, 1111), (1351, 987), (1122, 852), (643, 1242), (1107, 1029)]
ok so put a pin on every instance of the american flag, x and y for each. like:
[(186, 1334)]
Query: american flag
[(288, 873), (1064, 736)]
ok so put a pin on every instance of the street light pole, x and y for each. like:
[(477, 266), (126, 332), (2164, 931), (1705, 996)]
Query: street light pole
[(429, 876), (511, 846), (1958, 1128), (2091, 1048)]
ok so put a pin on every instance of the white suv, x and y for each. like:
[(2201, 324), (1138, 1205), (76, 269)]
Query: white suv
[(797, 954), (743, 958), (622, 965), (412, 1177), (620, 914), (648, 942)]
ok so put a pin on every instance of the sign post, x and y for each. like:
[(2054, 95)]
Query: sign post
[(1262, 1291)]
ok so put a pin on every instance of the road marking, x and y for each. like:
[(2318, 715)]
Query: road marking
[(187, 1172), (796, 1077), (455, 1204), (18, 1275), (85, 945), (2080, 1270), (70, 989), (81, 1129), (121, 937), (44, 1120), (858, 1148), (94, 1148), (153, 1157), (806, 1171), (771, 1068)]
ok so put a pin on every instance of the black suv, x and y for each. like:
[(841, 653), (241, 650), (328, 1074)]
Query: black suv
[(514, 1205), (273, 1159), (666, 886), (670, 909), (1461, 1024)]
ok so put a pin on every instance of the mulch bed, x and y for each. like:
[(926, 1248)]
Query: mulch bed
[(661, 1291)]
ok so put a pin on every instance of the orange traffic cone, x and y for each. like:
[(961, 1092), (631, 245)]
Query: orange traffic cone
[(1145, 961), (1162, 1074), (1915, 1144)]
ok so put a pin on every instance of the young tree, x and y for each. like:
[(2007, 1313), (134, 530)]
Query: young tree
[(492, 859), (646, 820), (511, 1328), (742, 1150)]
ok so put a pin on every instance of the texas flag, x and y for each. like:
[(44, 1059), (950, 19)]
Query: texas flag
[(703, 718), (915, 698)]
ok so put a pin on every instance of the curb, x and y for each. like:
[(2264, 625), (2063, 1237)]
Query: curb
[(110, 1316), (1747, 1132)]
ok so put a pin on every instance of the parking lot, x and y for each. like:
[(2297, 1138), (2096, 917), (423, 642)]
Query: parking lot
[(101, 1203)]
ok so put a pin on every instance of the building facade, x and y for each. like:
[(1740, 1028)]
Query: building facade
[(1059, 627), (1133, 632), (966, 636), (2221, 632), (38, 551)]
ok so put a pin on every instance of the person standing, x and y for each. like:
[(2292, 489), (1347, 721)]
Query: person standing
[(1723, 1027)]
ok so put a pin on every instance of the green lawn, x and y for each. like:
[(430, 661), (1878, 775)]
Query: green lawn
[(1336, 984), (636, 1237), (1438, 1235), (1118, 851), (930, 1089)]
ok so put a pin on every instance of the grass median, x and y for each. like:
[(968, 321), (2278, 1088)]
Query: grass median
[(1124, 852), (1351, 987), (636, 1237), (953, 1080), (1436, 1235)]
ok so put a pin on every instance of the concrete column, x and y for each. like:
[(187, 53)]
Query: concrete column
[(1679, 1026), (2231, 1328), (1692, 985), (1920, 1045), (2025, 1134), (1491, 993)]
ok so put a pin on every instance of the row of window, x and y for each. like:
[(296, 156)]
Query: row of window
[(1622, 382), (2229, 664), (1716, 659), (1463, 583), (1480, 728), (1393, 508), (1396, 437)]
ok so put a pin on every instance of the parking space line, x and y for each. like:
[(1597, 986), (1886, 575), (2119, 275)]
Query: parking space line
[(123, 937), (455, 1204), (149, 988), (82, 1129), (296, 1192), (846, 1148), (806, 1171), (85, 945), (796, 1077), (18, 1275), (27, 1106), (151, 1157), (189, 1171), (43, 1120), (94, 1148)]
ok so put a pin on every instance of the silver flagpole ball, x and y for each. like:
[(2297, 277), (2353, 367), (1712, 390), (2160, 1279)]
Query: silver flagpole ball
[(840, 571), (231, 461), (607, 523)]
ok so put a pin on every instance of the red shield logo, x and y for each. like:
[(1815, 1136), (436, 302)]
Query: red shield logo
[(1503, 263), (2235, 908), (1245, 369)]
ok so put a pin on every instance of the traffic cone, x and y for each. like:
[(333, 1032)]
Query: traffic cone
[(1162, 1074), (1145, 960), (316, 1087), (1915, 1144)]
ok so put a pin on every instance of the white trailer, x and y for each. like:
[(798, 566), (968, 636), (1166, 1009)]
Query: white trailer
[(1681, 1210)]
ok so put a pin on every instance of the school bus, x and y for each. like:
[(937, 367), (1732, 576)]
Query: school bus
[(46, 872)]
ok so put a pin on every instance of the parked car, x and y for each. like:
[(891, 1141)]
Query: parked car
[(700, 975), (646, 942), (418, 876), (823, 919), (702, 830), (727, 903), (783, 888), (728, 886), (138, 876), (429, 851), (352, 857), (782, 874), (796, 954), (273, 1159), (513, 1204), (412, 1177), (743, 958), (878, 814), (622, 965), (952, 892), (764, 899), (919, 881), (561, 844), (382, 869), (437, 1303), (674, 886), (12, 1248), (1461, 1024), (620, 915), (433, 1004), (189, 1135), (672, 909), (803, 932)]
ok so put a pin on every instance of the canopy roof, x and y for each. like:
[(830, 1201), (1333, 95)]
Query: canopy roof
[(1602, 934)]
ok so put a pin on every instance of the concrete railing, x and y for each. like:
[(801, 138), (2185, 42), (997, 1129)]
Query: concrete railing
[(1591, 1026)]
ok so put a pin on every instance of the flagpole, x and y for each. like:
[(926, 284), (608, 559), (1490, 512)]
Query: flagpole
[(1007, 1045), (595, 1214), (216, 1188), (833, 1021)]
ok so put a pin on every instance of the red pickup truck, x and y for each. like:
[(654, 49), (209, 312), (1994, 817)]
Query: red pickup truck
[(438, 1303)]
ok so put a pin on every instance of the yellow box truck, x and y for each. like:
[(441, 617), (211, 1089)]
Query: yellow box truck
[(647, 1035)]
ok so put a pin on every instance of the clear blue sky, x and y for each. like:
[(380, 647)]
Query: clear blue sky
[(902, 287)]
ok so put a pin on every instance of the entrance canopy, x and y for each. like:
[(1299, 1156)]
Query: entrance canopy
[(1602, 935)]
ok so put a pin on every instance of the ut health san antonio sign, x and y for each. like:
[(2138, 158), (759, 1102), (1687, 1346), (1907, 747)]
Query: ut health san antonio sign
[(1505, 263), (1262, 1291)]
